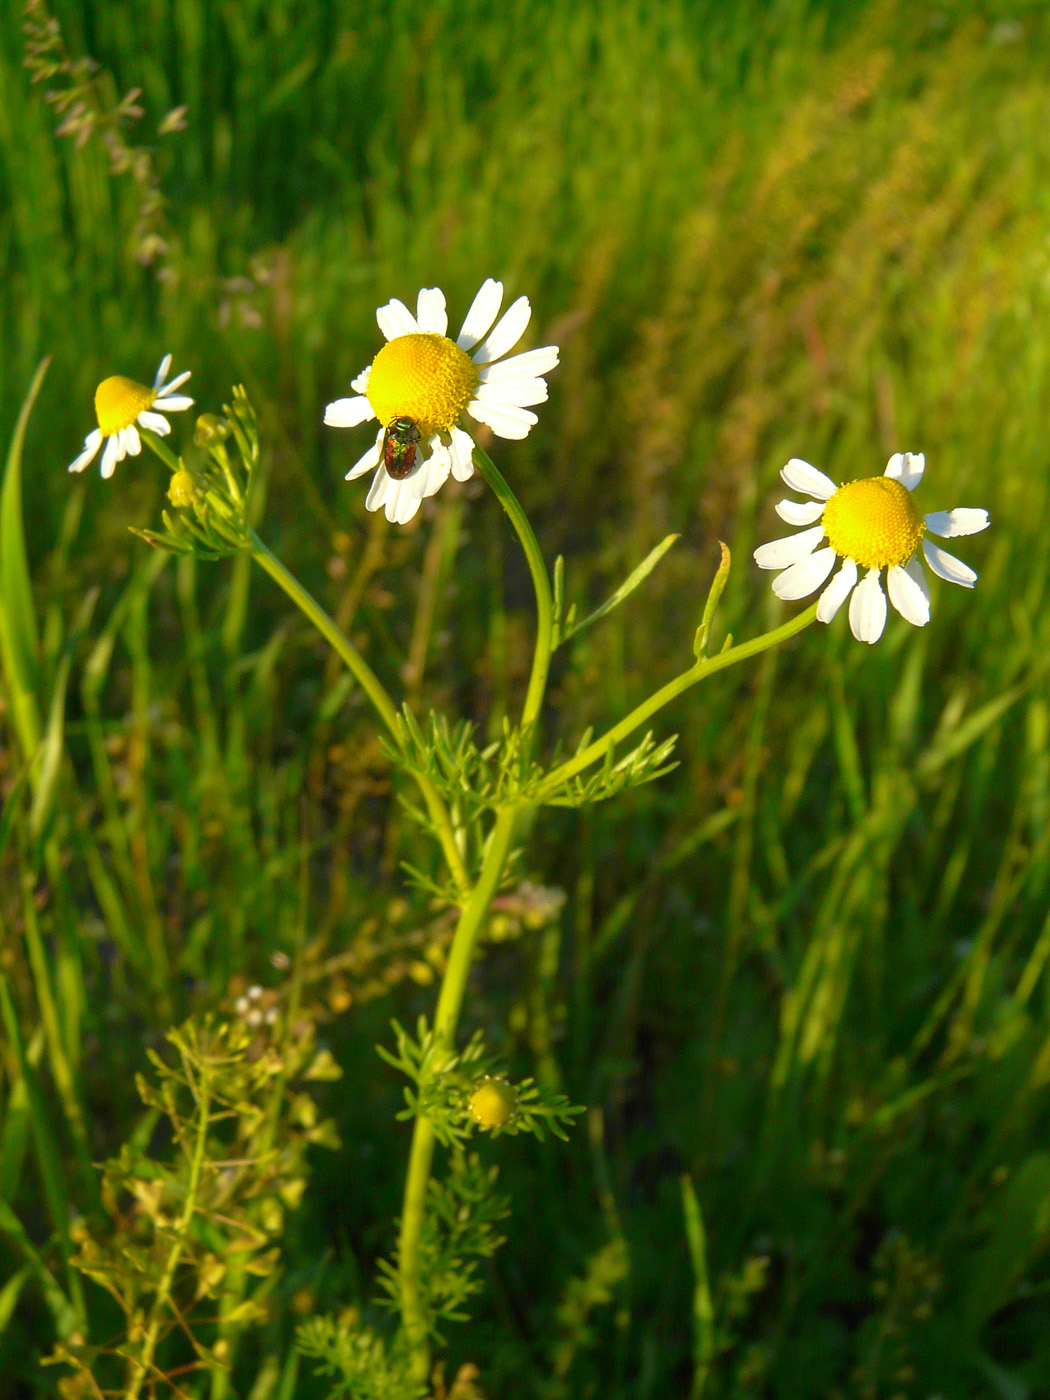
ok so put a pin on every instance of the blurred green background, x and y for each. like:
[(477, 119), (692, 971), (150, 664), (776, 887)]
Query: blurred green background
[(807, 970)]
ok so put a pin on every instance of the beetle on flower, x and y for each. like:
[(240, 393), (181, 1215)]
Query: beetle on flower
[(423, 377)]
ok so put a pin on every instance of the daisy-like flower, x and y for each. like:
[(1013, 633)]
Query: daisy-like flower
[(120, 403), (873, 525), (423, 377)]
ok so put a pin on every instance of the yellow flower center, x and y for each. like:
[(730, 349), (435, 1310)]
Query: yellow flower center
[(873, 522), (119, 401), (494, 1103), (425, 377)]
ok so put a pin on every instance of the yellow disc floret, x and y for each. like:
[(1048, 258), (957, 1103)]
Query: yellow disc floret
[(424, 377), (494, 1103), (119, 401), (873, 522)]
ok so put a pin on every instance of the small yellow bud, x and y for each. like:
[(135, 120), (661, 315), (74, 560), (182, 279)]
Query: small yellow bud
[(210, 430), (494, 1103), (182, 490)]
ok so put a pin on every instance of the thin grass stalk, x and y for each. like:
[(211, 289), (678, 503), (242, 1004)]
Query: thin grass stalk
[(235, 1288), (437, 557), (61, 1069), (144, 1362), (135, 632), (373, 688)]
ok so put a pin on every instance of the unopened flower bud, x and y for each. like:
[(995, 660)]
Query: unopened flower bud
[(494, 1103), (210, 430), (182, 489)]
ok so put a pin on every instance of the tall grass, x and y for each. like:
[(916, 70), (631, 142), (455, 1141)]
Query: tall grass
[(801, 982)]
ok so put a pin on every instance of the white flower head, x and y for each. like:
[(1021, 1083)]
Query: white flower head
[(121, 403), (421, 383), (871, 524)]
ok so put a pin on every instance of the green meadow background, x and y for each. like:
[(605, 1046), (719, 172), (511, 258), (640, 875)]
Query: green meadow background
[(801, 983)]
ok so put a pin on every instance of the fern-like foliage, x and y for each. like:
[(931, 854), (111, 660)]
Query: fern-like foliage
[(358, 1360), (460, 1231), (443, 1084)]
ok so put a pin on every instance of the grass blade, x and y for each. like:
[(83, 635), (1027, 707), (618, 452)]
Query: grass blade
[(703, 1310), (19, 638)]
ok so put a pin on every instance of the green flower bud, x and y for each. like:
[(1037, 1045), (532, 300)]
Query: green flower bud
[(210, 430)]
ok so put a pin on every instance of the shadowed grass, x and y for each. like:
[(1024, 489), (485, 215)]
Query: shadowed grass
[(806, 973)]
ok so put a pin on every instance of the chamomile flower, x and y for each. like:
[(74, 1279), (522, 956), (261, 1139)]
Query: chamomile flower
[(120, 403), (872, 525), (421, 383)]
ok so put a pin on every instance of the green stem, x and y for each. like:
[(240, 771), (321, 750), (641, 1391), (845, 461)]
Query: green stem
[(160, 1302), (541, 583), (413, 1214), (464, 941), (707, 666), (160, 449), (374, 689)]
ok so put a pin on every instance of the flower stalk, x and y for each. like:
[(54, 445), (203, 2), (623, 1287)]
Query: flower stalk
[(376, 692), (450, 1001), (700, 670), (541, 583)]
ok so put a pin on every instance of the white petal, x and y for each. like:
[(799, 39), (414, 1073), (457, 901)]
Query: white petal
[(401, 510), (946, 565), (155, 422), (174, 404), (397, 497), (800, 512), (908, 592), (378, 491), (963, 520), (430, 310), (506, 333), (395, 319), (92, 443), (347, 413), (462, 452), (504, 420), (837, 591), (111, 456), (520, 393), (778, 554), (483, 311), (368, 460), (523, 366), (132, 441), (907, 468), (176, 383), (360, 384), (805, 577), (434, 472), (867, 609), (165, 365), (801, 477)]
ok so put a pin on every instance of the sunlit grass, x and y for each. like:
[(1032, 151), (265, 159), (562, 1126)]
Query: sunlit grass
[(808, 969)]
